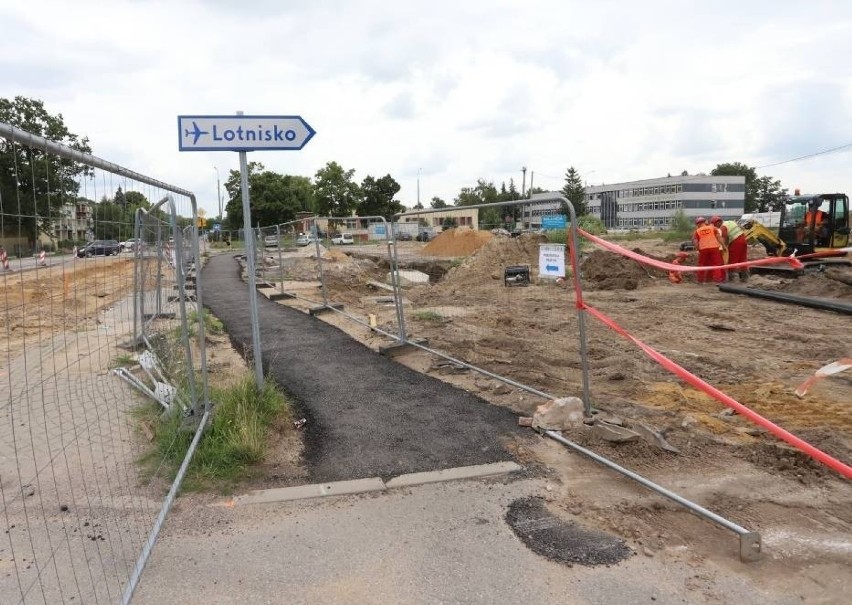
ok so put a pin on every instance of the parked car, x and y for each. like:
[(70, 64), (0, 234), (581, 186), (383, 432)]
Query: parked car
[(270, 241), (404, 236), (105, 247), (343, 239), (130, 245), (426, 236), (305, 240)]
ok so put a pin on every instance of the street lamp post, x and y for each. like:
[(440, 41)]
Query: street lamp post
[(218, 191), (418, 186)]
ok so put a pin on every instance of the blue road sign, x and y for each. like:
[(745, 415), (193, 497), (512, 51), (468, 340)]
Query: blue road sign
[(242, 133), (553, 222), (552, 268)]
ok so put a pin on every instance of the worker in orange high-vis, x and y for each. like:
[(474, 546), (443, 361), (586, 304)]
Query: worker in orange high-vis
[(816, 223), (708, 242)]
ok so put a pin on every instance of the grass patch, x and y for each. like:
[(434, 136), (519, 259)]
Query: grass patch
[(125, 360), (235, 439), (428, 316), (212, 325)]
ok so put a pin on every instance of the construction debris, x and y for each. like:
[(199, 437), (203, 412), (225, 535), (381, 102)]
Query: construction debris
[(614, 433), (559, 414)]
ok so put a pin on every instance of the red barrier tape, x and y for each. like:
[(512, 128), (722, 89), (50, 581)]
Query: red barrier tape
[(772, 260), (756, 418)]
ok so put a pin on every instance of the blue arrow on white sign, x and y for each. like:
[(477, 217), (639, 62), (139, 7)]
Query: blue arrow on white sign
[(242, 133), (551, 260)]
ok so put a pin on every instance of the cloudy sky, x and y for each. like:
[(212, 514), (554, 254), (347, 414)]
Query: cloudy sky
[(453, 90)]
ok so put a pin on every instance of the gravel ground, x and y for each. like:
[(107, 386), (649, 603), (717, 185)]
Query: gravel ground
[(367, 415)]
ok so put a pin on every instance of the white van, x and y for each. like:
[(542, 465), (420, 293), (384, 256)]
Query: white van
[(343, 239)]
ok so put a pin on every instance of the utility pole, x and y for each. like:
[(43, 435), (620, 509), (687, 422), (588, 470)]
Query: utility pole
[(418, 186), (524, 182)]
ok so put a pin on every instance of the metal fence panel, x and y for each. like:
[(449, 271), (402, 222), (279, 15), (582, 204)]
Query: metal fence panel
[(77, 509)]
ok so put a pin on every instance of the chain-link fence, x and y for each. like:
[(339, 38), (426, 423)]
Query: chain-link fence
[(91, 339)]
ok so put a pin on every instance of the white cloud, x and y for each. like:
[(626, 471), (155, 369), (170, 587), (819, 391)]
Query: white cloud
[(458, 90)]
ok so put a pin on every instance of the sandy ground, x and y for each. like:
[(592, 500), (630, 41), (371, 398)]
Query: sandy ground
[(756, 351)]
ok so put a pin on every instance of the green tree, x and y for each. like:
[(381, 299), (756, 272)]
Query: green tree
[(483, 193), (111, 221), (680, 223), (335, 192), (466, 197), (135, 200), (438, 202), (575, 193), (449, 223), (234, 205), (417, 206), (33, 183), (300, 189), (273, 198), (489, 218), (507, 194), (770, 195), (119, 198), (377, 197), (751, 185)]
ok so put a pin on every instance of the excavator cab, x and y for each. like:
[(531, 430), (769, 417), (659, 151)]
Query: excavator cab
[(814, 222)]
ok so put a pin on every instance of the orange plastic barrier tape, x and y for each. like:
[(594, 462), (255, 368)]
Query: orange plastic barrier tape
[(772, 260), (685, 375)]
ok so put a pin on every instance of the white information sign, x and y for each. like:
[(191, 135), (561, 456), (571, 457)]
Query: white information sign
[(551, 260)]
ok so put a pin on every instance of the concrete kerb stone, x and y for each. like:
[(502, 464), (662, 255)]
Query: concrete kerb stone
[(373, 484), (478, 471)]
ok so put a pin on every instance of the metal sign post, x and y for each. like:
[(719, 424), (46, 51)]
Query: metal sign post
[(242, 133)]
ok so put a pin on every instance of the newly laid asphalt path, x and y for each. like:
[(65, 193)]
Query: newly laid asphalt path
[(367, 415)]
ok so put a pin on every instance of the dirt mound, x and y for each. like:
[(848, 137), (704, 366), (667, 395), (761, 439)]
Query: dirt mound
[(457, 242), (494, 256), (605, 270), (810, 284)]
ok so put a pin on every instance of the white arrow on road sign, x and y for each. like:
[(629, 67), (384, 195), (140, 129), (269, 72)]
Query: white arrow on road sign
[(242, 133)]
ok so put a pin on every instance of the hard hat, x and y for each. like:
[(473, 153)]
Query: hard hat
[(699, 220), (716, 219)]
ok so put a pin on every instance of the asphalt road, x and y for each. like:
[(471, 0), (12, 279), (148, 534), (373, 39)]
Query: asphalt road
[(367, 415)]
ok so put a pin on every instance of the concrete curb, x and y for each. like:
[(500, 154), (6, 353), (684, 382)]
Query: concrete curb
[(372, 484)]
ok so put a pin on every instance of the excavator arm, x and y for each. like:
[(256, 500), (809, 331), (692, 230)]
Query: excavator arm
[(757, 233)]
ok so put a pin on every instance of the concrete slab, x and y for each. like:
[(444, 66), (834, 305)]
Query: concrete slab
[(453, 474), (410, 277), (316, 490)]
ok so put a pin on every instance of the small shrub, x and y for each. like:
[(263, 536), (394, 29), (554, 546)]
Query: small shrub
[(428, 316)]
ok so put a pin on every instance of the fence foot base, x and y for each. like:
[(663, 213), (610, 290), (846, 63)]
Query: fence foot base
[(398, 348), (273, 296), (159, 315), (750, 547), (325, 308)]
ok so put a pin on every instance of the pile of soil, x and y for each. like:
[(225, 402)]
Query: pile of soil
[(497, 253), (604, 270), (457, 242), (810, 284)]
